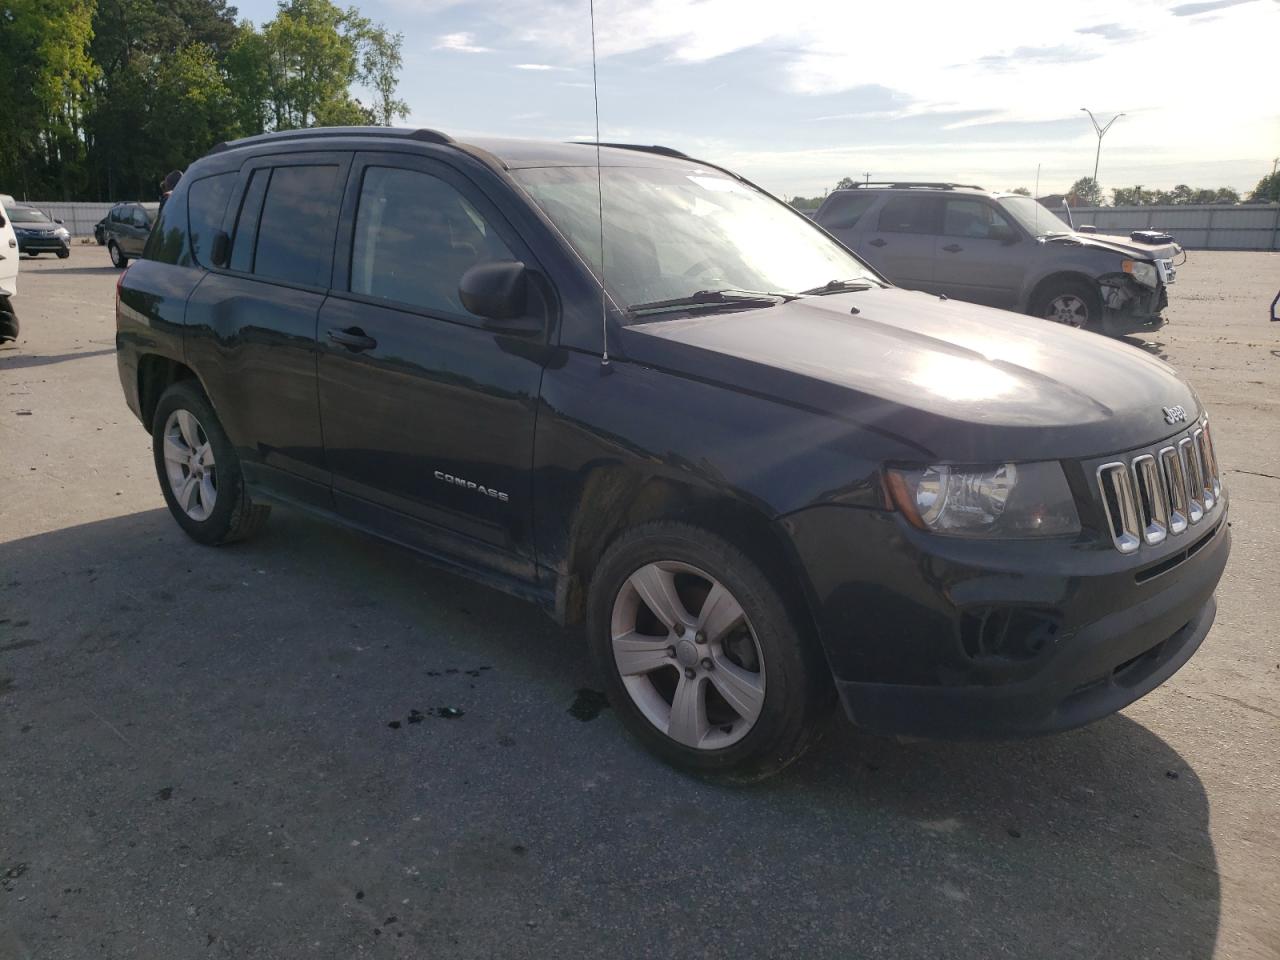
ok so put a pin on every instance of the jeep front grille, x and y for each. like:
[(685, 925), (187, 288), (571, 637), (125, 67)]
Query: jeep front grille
[(1160, 493)]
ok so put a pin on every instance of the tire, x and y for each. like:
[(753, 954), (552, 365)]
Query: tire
[(117, 255), (185, 424), (789, 689), (1072, 303), (63, 254)]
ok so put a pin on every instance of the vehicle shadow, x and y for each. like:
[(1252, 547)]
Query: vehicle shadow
[(19, 361), (287, 693), (79, 271)]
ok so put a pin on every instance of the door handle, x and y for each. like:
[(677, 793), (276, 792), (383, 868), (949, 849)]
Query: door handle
[(877, 242), (353, 338), (953, 248)]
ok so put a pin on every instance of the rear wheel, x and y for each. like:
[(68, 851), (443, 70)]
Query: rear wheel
[(199, 471), (117, 255), (701, 656), (1073, 303)]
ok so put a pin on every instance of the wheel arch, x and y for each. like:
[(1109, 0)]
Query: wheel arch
[(615, 501), (1058, 276), (156, 374)]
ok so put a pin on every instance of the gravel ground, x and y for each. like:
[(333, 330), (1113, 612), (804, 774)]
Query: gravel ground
[(197, 756)]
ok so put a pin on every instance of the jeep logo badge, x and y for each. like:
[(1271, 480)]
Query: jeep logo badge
[(1174, 414)]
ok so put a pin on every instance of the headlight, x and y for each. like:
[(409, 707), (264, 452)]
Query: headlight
[(1144, 273), (64, 233), (1010, 500)]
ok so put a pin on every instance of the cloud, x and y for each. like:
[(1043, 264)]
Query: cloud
[(460, 43), (535, 66), (1059, 53), (1191, 9), (1109, 31)]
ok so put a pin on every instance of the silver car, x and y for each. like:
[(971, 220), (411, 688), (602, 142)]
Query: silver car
[(1003, 250)]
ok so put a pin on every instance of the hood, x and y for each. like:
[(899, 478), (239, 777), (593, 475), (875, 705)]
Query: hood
[(951, 380), (1121, 245)]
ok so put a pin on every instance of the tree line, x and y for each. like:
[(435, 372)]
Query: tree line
[(1087, 193), (105, 97)]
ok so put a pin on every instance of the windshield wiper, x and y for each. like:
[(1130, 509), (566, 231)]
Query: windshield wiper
[(710, 299), (839, 286)]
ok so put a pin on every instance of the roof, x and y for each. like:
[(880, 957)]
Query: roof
[(508, 152)]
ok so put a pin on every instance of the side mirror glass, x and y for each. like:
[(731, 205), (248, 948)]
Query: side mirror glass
[(57, 219), (220, 249), (496, 290), (1005, 234)]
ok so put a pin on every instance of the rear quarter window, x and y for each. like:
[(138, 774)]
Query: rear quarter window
[(844, 212), (206, 205)]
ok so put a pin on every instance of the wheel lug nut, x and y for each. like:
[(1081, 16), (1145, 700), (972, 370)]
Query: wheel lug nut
[(671, 651), (699, 637), (707, 664), (689, 672)]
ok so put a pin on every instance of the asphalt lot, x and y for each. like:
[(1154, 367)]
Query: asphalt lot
[(195, 757)]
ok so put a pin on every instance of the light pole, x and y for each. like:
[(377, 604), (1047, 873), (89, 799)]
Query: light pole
[(1102, 132)]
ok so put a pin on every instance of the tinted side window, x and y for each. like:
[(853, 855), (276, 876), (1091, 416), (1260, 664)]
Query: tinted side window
[(973, 218), (117, 213), (844, 211), (139, 218), (906, 214), (247, 221), (206, 203), (167, 241), (415, 237), (295, 230)]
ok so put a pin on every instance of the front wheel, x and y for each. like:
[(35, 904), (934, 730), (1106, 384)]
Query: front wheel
[(1071, 303), (702, 658), (199, 471), (63, 254), (117, 255)]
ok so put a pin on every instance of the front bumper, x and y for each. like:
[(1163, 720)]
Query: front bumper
[(1086, 631), (1128, 307), (52, 244)]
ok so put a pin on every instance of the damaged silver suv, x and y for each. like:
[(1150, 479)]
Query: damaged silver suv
[(1004, 250)]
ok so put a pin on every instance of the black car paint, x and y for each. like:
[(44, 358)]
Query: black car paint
[(771, 427)]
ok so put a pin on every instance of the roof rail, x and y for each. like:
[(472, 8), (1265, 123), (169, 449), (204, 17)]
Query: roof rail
[(643, 148), (908, 184), (422, 134)]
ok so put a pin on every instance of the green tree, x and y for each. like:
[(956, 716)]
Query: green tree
[(313, 60), (1267, 190), (846, 183), (1085, 192), (380, 64), (1021, 191), (45, 75)]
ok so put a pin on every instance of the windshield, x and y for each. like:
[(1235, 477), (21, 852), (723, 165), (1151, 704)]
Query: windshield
[(1037, 219), (26, 215), (670, 233)]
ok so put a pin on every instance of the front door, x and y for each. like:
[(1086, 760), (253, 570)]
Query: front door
[(253, 325), (902, 244), (981, 256), (428, 416)]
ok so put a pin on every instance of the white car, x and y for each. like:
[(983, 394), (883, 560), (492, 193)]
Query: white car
[(8, 274)]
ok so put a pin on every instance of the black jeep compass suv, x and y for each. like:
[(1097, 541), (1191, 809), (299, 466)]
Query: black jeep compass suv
[(756, 472)]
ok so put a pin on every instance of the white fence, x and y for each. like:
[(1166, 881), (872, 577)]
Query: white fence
[(1208, 226), (77, 217)]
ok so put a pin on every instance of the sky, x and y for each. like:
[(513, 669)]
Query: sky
[(797, 94)]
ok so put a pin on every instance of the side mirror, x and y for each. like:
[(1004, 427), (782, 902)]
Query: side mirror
[(220, 249), (496, 290), (1006, 235), (57, 219)]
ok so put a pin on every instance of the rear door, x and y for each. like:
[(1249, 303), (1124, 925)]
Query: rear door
[(429, 414), (252, 326), (981, 255), (135, 231), (901, 244)]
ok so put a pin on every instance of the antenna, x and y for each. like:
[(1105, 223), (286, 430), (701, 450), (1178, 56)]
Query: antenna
[(595, 95), (1036, 198)]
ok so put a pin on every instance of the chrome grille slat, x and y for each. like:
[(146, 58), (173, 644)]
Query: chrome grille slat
[(1155, 494)]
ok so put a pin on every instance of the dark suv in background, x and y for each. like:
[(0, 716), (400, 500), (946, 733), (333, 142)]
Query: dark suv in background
[(1003, 250), (125, 230), (757, 474)]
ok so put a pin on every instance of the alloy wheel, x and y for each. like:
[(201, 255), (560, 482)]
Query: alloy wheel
[(189, 465), (1068, 309), (687, 654)]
